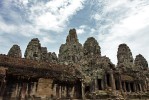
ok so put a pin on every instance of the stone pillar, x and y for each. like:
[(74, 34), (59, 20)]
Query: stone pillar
[(140, 87), (120, 83), (63, 92), (83, 94), (23, 90), (92, 85), (75, 93), (54, 90), (96, 85), (14, 94), (102, 84), (137, 87), (72, 92), (143, 87), (134, 86), (60, 87), (124, 86), (145, 83), (129, 87), (35, 88), (57, 91), (67, 90), (105, 81), (112, 80)]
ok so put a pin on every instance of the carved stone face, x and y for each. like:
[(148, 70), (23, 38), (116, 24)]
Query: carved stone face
[(15, 51), (124, 56)]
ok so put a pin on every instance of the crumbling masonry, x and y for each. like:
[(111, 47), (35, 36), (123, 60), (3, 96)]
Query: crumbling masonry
[(79, 72)]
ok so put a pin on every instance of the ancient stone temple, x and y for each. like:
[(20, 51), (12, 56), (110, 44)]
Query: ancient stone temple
[(71, 51), (79, 72)]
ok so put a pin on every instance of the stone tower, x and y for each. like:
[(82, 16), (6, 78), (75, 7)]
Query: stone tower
[(33, 50), (140, 63), (44, 54), (124, 56), (15, 51), (52, 57), (71, 51), (91, 47)]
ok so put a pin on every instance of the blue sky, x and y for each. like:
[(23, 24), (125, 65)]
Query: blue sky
[(111, 22)]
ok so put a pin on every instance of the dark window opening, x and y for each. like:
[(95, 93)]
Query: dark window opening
[(123, 86), (78, 89), (127, 87), (138, 87), (108, 80), (87, 89), (99, 84), (117, 83), (132, 87)]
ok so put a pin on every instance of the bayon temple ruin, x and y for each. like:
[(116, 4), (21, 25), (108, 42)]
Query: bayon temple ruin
[(79, 72)]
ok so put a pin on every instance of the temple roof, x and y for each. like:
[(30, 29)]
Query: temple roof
[(31, 68)]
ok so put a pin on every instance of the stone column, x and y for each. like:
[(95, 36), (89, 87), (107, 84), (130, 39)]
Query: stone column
[(92, 85), (23, 90), (35, 87), (129, 87), (124, 86), (112, 80), (145, 83), (57, 91), (96, 85), (83, 94), (102, 85), (137, 87), (143, 87), (60, 87), (72, 92), (67, 91), (134, 86), (105, 81), (120, 83), (140, 87), (54, 90)]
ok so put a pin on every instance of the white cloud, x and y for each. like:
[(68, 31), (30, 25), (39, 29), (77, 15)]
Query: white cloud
[(130, 27), (6, 28), (24, 30), (47, 39), (97, 17), (35, 18), (54, 15), (51, 15), (25, 2), (81, 29)]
